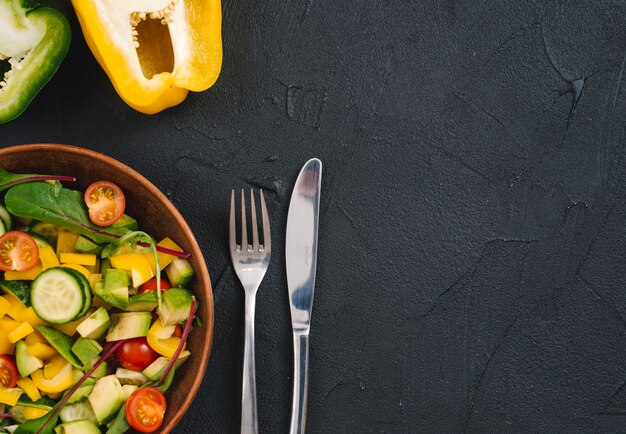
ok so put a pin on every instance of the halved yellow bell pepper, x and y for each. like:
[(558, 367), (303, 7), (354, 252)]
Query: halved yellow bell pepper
[(27, 385), (56, 384), (154, 51), (161, 340)]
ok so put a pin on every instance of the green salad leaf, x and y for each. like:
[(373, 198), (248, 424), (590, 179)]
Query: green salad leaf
[(8, 179), (65, 208)]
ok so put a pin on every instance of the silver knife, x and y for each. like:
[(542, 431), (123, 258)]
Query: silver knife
[(301, 260)]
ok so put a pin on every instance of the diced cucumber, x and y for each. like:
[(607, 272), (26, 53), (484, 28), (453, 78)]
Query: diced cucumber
[(85, 245), (146, 302), (77, 427), (96, 325), (19, 288), (127, 376), (127, 222), (106, 398), (46, 230), (5, 217), (175, 306), (83, 391), (80, 410), (157, 368), (60, 342), (86, 349), (57, 295), (129, 389), (179, 272), (26, 362), (129, 325), (117, 297), (101, 370), (114, 279)]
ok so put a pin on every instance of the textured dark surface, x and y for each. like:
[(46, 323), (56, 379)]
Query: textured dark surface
[(472, 272)]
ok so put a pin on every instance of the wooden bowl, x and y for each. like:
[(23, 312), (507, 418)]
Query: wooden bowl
[(156, 215)]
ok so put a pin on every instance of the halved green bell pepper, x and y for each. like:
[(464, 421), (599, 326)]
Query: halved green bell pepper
[(34, 39)]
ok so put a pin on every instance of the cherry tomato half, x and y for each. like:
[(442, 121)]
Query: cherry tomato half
[(18, 251), (8, 372), (151, 285), (106, 203), (145, 409), (178, 331), (136, 354)]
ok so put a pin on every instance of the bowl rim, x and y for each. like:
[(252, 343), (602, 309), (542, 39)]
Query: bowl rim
[(203, 274)]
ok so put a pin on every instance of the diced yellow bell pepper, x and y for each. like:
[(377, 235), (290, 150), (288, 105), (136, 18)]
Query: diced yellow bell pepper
[(16, 307), (48, 257), (41, 351), (5, 305), (80, 268), (31, 413), (94, 269), (23, 330), (161, 340), (93, 279), (128, 261), (6, 347), (54, 366), (24, 275), (27, 385), (141, 276), (10, 396), (69, 328), (78, 258), (136, 263), (164, 258), (28, 315), (35, 338), (7, 325), (60, 382), (66, 241)]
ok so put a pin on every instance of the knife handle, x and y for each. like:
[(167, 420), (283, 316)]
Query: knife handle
[(249, 423), (300, 382)]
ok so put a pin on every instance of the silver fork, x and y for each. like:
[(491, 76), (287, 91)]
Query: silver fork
[(250, 262)]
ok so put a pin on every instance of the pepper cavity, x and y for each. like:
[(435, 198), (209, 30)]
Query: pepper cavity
[(9, 65), (152, 39)]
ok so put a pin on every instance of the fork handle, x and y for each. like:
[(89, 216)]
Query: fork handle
[(249, 423), (300, 382)]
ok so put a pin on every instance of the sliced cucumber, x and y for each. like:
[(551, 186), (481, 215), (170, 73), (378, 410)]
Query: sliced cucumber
[(47, 230), (86, 286), (18, 288), (57, 295), (5, 217), (3, 227), (40, 240)]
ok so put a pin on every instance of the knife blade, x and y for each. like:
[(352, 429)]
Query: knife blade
[(301, 263)]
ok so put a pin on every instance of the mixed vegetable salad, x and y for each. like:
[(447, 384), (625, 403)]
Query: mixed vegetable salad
[(91, 333)]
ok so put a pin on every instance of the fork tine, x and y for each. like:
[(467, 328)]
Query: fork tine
[(232, 234), (244, 228), (267, 236), (255, 229)]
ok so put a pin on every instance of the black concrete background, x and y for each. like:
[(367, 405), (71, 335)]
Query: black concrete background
[(472, 254)]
